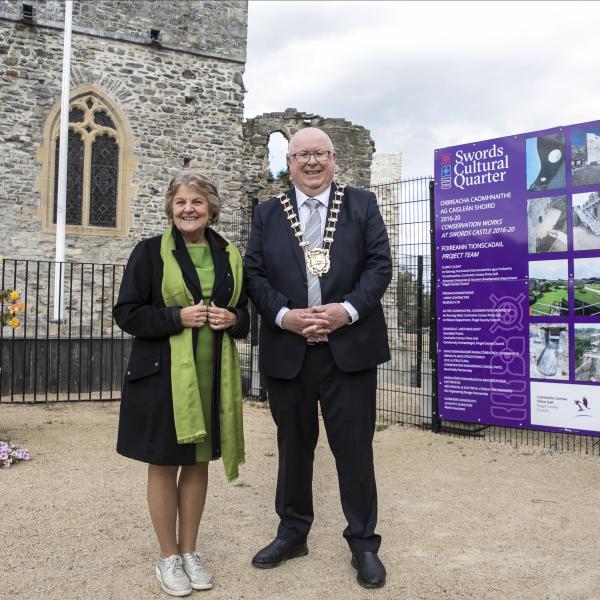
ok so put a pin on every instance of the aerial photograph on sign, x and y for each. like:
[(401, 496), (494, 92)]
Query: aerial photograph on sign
[(549, 351), (586, 221), (587, 286), (545, 156), (585, 156), (548, 288), (587, 352), (547, 224)]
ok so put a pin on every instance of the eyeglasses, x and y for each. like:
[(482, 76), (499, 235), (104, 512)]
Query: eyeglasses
[(320, 156)]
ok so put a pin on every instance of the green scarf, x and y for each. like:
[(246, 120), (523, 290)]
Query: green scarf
[(187, 407)]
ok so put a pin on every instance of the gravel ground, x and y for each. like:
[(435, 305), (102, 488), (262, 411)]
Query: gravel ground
[(459, 518)]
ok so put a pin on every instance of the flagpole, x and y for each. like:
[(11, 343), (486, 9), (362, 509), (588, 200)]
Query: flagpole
[(61, 211)]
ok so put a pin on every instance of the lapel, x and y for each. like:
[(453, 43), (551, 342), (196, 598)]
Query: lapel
[(325, 278), (296, 250), (342, 215), (183, 258), (220, 258)]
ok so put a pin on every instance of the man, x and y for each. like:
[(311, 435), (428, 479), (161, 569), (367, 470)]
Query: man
[(317, 264)]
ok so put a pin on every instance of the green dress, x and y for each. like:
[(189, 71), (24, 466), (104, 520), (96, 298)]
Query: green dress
[(202, 259)]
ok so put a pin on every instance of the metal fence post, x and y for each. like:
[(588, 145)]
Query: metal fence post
[(436, 422), (419, 320)]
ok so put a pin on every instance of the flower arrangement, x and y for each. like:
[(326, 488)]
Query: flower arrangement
[(8, 316), (11, 454)]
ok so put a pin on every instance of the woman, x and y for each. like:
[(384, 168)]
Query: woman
[(182, 299)]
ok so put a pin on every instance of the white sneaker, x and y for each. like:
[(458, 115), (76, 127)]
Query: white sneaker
[(172, 577), (195, 570)]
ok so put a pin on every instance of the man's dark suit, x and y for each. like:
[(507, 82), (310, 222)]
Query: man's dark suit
[(360, 272)]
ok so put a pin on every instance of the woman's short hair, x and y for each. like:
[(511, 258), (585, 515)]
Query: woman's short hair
[(202, 185)]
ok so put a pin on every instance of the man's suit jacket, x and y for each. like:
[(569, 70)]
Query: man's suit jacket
[(361, 270)]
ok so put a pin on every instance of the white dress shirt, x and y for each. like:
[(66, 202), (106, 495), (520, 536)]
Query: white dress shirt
[(304, 212)]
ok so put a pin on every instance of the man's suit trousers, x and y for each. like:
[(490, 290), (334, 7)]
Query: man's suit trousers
[(348, 409)]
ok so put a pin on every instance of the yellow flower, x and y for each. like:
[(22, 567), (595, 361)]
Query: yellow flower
[(14, 322), (14, 295)]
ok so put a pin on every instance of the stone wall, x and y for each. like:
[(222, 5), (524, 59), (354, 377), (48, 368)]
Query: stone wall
[(353, 145), (210, 27), (386, 168), (179, 104)]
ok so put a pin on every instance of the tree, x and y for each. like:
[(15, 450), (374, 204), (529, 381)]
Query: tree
[(410, 299), (283, 177)]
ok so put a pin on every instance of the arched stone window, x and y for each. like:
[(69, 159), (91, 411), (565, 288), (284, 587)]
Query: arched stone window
[(278, 145), (100, 166)]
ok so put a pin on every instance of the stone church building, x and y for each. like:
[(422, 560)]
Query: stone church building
[(154, 84), (151, 88)]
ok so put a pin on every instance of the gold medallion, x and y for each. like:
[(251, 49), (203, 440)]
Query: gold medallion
[(317, 261)]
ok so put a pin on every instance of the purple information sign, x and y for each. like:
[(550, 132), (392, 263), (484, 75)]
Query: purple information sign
[(517, 232)]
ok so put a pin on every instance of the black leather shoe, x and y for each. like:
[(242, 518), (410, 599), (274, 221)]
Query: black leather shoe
[(371, 572), (277, 552)]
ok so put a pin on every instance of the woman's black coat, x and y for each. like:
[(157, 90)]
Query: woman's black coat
[(146, 423)]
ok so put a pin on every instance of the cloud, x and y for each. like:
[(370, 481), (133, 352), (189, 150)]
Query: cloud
[(586, 268), (548, 269), (425, 75)]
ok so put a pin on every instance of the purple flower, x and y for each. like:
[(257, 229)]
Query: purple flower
[(12, 453)]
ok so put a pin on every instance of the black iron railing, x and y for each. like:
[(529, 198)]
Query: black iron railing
[(82, 356), (68, 347)]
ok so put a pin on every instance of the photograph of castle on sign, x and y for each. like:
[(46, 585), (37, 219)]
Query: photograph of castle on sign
[(548, 288), (549, 351), (547, 224), (585, 156), (587, 352), (545, 157), (586, 273), (586, 221)]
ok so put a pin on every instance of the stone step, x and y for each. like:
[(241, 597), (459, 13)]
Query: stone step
[(589, 221)]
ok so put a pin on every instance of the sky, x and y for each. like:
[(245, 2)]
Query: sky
[(586, 267), (548, 269), (426, 75), (579, 199)]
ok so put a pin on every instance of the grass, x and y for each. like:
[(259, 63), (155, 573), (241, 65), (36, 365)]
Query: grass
[(586, 296), (555, 295)]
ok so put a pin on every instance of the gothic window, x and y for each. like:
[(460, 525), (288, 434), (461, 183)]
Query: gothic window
[(74, 178), (103, 182), (93, 166), (99, 168)]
